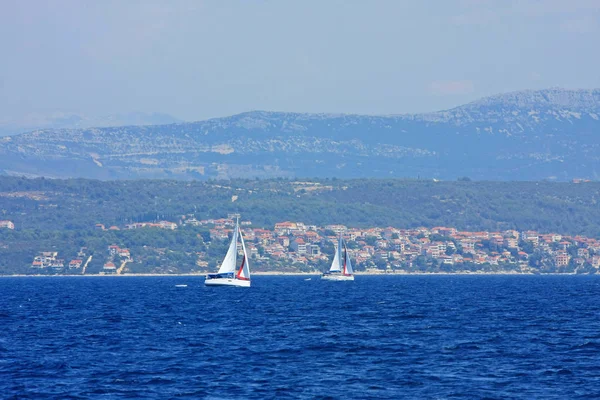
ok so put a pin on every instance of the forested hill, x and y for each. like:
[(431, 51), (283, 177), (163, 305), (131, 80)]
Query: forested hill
[(529, 135), (78, 204)]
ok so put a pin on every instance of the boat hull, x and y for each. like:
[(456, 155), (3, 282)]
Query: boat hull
[(227, 282), (337, 277)]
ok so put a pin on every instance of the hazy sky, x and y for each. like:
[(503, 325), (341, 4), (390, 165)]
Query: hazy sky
[(200, 59)]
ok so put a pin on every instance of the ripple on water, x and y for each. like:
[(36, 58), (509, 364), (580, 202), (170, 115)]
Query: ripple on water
[(381, 337)]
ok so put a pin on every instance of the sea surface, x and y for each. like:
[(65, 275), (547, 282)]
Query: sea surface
[(421, 337)]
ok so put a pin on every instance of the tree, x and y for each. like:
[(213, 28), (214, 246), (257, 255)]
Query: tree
[(371, 240), (526, 246), (329, 232)]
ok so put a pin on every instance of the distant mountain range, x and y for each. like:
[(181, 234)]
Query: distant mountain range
[(58, 120), (527, 135)]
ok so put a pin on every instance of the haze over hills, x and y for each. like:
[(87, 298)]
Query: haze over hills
[(526, 135), (72, 120)]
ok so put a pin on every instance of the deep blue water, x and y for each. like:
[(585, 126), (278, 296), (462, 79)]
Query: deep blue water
[(433, 337)]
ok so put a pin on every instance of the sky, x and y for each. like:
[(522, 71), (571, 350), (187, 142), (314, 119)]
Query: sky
[(202, 59)]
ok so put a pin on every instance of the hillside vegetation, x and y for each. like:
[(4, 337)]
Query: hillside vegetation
[(61, 215), (78, 204), (529, 135)]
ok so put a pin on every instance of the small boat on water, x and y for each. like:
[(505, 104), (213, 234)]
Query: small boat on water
[(341, 266), (180, 285), (229, 274)]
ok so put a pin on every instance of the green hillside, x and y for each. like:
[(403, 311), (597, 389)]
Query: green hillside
[(61, 215), (77, 204)]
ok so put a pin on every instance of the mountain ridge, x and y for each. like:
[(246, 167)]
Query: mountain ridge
[(543, 134), (592, 97), (73, 120)]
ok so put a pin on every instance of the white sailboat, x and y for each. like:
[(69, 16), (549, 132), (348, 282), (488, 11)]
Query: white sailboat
[(341, 266), (227, 274)]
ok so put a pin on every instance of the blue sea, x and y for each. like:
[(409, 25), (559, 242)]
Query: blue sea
[(380, 337)]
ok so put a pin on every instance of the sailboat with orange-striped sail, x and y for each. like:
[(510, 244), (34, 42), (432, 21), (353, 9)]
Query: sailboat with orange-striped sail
[(341, 266), (229, 273)]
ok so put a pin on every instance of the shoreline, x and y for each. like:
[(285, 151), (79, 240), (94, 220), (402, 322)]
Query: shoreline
[(279, 273)]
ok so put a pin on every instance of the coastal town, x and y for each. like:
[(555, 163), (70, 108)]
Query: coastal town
[(299, 247)]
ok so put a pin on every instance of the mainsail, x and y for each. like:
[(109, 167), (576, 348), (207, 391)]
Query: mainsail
[(336, 265), (230, 259)]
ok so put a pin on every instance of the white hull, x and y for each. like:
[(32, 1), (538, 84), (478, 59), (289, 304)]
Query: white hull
[(337, 277), (227, 282)]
